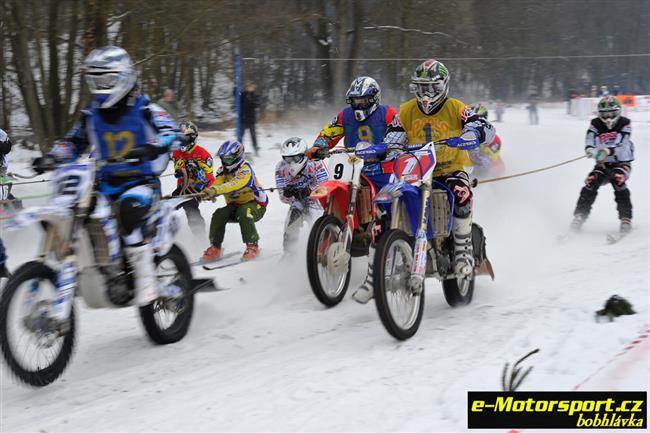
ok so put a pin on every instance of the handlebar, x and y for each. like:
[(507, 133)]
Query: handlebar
[(341, 150)]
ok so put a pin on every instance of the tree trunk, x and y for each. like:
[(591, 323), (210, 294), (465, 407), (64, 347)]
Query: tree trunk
[(5, 105), (70, 68), (24, 72)]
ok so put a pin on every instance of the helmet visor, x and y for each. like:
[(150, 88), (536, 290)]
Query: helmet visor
[(102, 82), (428, 89)]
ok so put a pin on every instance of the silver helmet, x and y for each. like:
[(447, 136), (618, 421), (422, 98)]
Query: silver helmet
[(110, 75)]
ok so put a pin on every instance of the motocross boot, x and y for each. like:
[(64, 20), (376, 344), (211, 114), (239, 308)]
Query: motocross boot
[(142, 263), (463, 248), (365, 291)]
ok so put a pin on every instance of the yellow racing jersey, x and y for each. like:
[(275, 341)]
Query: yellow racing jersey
[(240, 186), (423, 128)]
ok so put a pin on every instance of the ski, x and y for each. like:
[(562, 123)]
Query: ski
[(225, 256), (213, 267), (613, 238), (565, 237)]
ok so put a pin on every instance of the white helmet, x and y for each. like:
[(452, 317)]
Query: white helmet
[(293, 152), (110, 74)]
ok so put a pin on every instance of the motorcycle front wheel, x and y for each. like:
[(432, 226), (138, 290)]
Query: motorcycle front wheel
[(37, 348), (328, 265), (168, 320), (399, 307)]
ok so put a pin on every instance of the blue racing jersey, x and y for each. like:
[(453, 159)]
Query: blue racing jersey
[(112, 134)]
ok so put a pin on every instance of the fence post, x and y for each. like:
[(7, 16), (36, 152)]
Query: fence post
[(237, 94)]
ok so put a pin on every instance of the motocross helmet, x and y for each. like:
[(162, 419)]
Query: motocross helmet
[(430, 84), (363, 96), (191, 132), (231, 154), (293, 152), (5, 143), (110, 75), (478, 110), (609, 110)]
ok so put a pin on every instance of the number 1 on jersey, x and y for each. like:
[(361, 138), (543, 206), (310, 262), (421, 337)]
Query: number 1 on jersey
[(428, 136)]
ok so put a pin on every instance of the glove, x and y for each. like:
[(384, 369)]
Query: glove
[(602, 154), (209, 194), (317, 152), (301, 193), (43, 163), (179, 141), (589, 151), (289, 191), (468, 140), (147, 152)]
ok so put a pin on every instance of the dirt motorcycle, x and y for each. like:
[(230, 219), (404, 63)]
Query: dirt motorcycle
[(419, 244), (346, 228), (81, 255)]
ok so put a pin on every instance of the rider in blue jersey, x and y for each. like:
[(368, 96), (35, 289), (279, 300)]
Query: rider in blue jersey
[(121, 124), (364, 120)]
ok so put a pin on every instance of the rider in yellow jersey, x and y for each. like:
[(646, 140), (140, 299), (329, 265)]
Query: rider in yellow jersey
[(433, 116)]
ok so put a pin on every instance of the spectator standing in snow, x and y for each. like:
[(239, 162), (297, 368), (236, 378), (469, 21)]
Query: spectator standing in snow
[(171, 105), (533, 117), (249, 103), (500, 109)]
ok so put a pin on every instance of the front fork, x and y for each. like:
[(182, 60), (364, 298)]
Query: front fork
[(349, 219), (66, 282), (67, 269), (419, 265)]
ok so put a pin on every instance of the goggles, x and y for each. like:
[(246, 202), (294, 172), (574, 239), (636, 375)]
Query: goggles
[(608, 114), (228, 160), (293, 159), (103, 81), (361, 103), (427, 89)]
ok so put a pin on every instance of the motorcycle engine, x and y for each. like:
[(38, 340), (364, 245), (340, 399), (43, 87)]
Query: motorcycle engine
[(120, 289)]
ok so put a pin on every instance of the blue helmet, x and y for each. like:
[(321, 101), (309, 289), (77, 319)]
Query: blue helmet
[(110, 75), (231, 154), (363, 96)]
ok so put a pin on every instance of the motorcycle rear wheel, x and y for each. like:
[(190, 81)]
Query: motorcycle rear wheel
[(168, 321)]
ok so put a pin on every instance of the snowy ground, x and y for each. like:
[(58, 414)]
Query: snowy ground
[(266, 356)]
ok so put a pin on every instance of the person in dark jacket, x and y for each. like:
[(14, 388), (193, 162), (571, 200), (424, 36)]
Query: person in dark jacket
[(249, 103)]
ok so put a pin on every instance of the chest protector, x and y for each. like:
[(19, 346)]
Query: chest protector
[(116, 140), (372, 130)]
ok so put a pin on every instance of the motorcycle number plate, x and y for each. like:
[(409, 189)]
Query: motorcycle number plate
[(342, 168), (413, 166), (69, 183)]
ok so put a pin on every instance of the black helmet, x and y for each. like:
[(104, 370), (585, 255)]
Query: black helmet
[(5, 143), (190, 131)]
